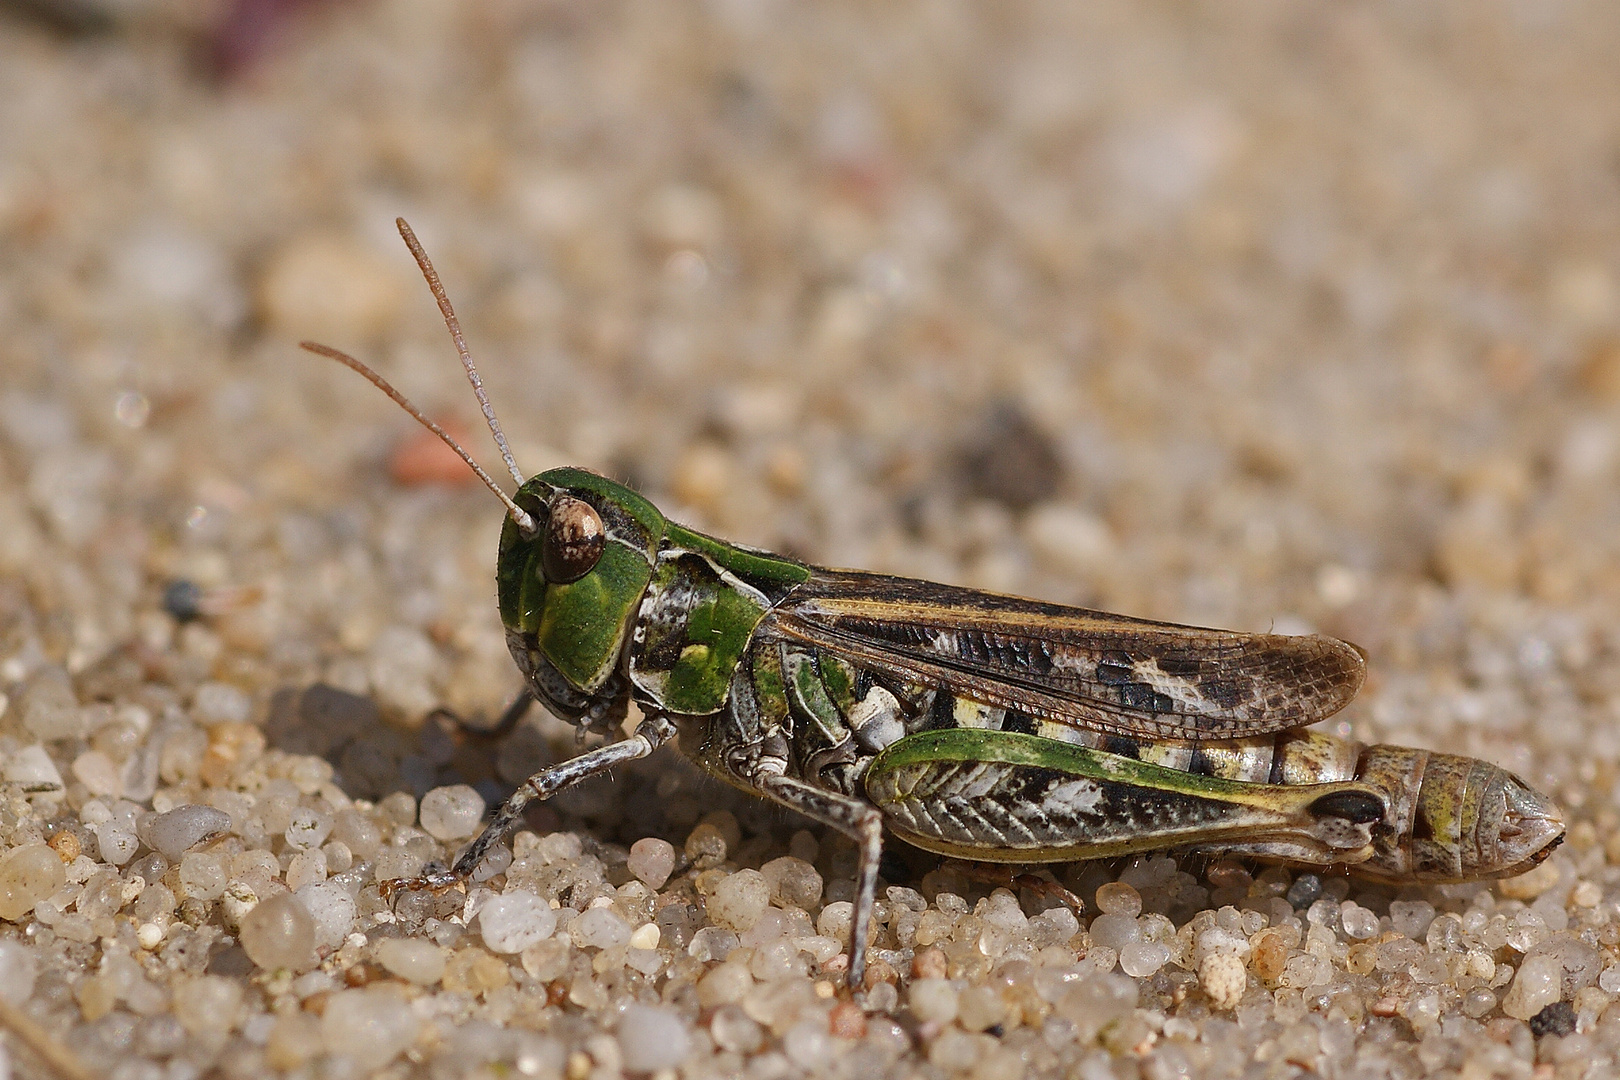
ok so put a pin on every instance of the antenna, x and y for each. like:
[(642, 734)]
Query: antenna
[(454, 326), (525, 520)]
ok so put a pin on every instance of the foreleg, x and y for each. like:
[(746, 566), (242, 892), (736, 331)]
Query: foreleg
[(653, 732)]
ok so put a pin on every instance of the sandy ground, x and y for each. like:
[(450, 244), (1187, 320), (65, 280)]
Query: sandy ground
[(1301, 316)]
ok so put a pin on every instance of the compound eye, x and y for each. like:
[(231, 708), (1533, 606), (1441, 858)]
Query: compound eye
[(574, 540)]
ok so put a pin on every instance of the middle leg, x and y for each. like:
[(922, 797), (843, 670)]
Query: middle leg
[(862, 823)]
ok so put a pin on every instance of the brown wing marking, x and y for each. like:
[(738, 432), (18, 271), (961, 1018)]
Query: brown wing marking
[(1092, 669)]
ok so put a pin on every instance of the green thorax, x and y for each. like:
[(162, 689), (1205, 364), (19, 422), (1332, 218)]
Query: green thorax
[(698, 619)]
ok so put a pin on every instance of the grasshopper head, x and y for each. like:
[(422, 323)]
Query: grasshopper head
[(569, 587)]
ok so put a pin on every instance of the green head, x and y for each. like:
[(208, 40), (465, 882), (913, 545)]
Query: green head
[(570, 583)]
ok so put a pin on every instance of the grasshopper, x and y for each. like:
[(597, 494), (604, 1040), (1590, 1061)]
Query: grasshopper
[(980, 726)]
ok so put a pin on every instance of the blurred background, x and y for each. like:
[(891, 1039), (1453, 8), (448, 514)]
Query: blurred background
[(1266, 315)]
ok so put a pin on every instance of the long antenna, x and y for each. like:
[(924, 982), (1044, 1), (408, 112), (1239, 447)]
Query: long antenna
[(454, 326), (524, 520)]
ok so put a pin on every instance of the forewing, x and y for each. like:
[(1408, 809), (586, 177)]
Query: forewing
[(1088, 668)]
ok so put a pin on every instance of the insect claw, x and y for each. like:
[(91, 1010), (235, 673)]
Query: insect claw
[(1042, 887), (435, 880), (1002, 875)]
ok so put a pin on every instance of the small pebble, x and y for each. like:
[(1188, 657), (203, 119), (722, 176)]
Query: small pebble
[(293, 1039), (1305, 891), (28, 874), (515, 921), (646, 936), (1530, 885), (238, 899), (452, 813), (930, 963), (740, 900), (1115, 931), (712, 943), (724, 984), (116, 844), (32, 769), (66, 845), (398, 862), (1556, 1019), (1143, 958), (955, 1051), (357, 832), (1267, 956), (735, 1031), (1410, 917), (1118, 898), (1537, 984), (599, 928), (1067, 538), (309, 828), (1224, 978), (1478, 1002), (332, 910), (809, 1045), (706, 846), (183, 599), (933, 1000), (773, 924), (220, 703), (836, 919), (369, 1026), (793, 882), (207, 1003), (1358, 922), (279, 933), (424, 458), (474, 971), (647, 961), (174, 833), (19, 967), (652, 1037), (202, 875), (560, 847), (327, 283), (338, 856), (48, 707), (415, 960), (847, 1021), (97, 772), (979, 1008), (397, 807), (651, 860), (306, 868)]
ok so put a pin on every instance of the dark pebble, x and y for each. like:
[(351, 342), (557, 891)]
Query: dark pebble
[(1009, 460), (1304, 892), (183, 599), (1556, 1019)]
